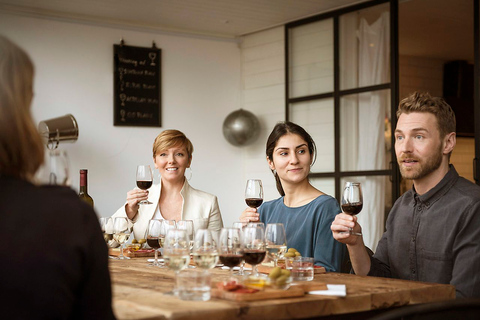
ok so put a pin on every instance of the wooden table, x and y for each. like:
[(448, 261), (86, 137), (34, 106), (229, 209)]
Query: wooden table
[(138, 294)]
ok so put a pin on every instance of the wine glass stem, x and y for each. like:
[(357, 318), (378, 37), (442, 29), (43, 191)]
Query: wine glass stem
[(121, 251), (275, 262), (255, 271), (155, 263)]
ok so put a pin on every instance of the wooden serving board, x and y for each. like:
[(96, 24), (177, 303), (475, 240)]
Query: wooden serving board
[(293, 291), (132, 254)]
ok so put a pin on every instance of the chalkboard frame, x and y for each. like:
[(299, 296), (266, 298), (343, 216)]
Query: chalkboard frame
[(137, 86)]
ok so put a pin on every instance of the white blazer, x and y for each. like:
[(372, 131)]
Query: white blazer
[(199, 206)]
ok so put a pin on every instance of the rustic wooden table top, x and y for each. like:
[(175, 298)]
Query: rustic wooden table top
[(138, 293)]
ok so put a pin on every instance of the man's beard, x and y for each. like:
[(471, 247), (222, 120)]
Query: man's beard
[(424, 169)]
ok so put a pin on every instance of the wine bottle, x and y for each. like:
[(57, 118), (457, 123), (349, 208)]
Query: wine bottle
[(83, 194)]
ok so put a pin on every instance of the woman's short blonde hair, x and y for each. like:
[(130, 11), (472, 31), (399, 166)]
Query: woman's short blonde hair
[(172, 138), (21, 147)]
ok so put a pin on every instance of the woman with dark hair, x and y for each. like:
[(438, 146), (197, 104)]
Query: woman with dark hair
[(57, 264), (306, 212)]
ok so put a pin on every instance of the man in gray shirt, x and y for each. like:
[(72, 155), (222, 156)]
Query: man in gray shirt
[(433, 230)]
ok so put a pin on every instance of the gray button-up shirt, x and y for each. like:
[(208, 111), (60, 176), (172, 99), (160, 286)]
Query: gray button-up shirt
[(434, 237)]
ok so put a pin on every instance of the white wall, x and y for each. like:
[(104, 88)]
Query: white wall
[(200, 87)]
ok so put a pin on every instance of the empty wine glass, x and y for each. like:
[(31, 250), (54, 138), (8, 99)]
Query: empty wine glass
[(254, 247), (254, 193), (230, 248), (256, 224), (205, 253), (276, 240), (352, 201), (121, 233), (144, 179), (176, 252), (153, 233), (188, 226)]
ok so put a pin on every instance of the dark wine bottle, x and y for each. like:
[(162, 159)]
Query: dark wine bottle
[(83, 193)]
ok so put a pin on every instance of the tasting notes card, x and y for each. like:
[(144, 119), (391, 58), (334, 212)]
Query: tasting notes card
[(137, 86)]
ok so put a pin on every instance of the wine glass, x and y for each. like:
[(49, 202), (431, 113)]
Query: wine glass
[(254, 247), (144, 179), (205, 253), (55, 169), (276, 240), (254, 193), (240, 225), (188, 226), (166, 225), (106, 226), (176, 252), (352, 201), (230, 248), (121, 232), (256, 224), (153, 233)]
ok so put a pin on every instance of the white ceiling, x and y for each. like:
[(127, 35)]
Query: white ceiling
[(430, 28), (218, 18)]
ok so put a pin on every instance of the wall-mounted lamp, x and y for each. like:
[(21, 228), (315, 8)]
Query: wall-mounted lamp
[(54, 130)]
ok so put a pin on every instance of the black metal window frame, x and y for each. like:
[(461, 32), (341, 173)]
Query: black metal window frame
[(393, 171)]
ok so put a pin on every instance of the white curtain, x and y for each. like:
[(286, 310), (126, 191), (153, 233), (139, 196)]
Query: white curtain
[(373, 57), (363, 118)]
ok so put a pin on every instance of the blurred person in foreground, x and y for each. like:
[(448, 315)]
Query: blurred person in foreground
[(305, 211), (55, 265), (433, 230), (173, 198)]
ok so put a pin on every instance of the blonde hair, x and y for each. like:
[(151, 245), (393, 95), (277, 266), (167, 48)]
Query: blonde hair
[(21, 147), (172, 138)]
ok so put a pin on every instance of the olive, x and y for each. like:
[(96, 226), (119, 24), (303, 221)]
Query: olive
[(142, 241), (275, 273), (134, 241), (282, 280), (285, 272), (292, 250), (289, 255), (298, 254)]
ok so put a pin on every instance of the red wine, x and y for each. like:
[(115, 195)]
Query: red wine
[(254, 256), (153, 243), (231, 260), (254, 202), (352, 208), (144, 185)]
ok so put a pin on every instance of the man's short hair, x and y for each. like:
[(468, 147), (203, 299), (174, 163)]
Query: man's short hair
[(424, 102)]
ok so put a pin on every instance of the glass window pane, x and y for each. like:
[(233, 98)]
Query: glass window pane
[(365, 47), (326, 185), (311, 59), (317, 118), (377, 202), (365, 131)]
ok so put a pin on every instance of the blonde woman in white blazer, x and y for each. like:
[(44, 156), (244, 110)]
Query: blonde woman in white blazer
[(173, 198)]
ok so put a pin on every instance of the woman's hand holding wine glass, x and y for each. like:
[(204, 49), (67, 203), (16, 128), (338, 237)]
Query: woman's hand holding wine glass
[(253, 198), (352, 201), (144, 180)]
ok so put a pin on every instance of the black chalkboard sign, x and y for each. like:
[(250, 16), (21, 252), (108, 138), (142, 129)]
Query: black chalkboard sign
[(137, 86)]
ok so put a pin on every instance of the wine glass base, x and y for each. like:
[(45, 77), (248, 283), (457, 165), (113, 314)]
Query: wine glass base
[(145, 202)]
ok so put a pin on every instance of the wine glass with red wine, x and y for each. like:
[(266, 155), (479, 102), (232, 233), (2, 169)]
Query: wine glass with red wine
[(254, 193), (154, 230), (254, 247), (352, 201), (230, 248), (144, 179)]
